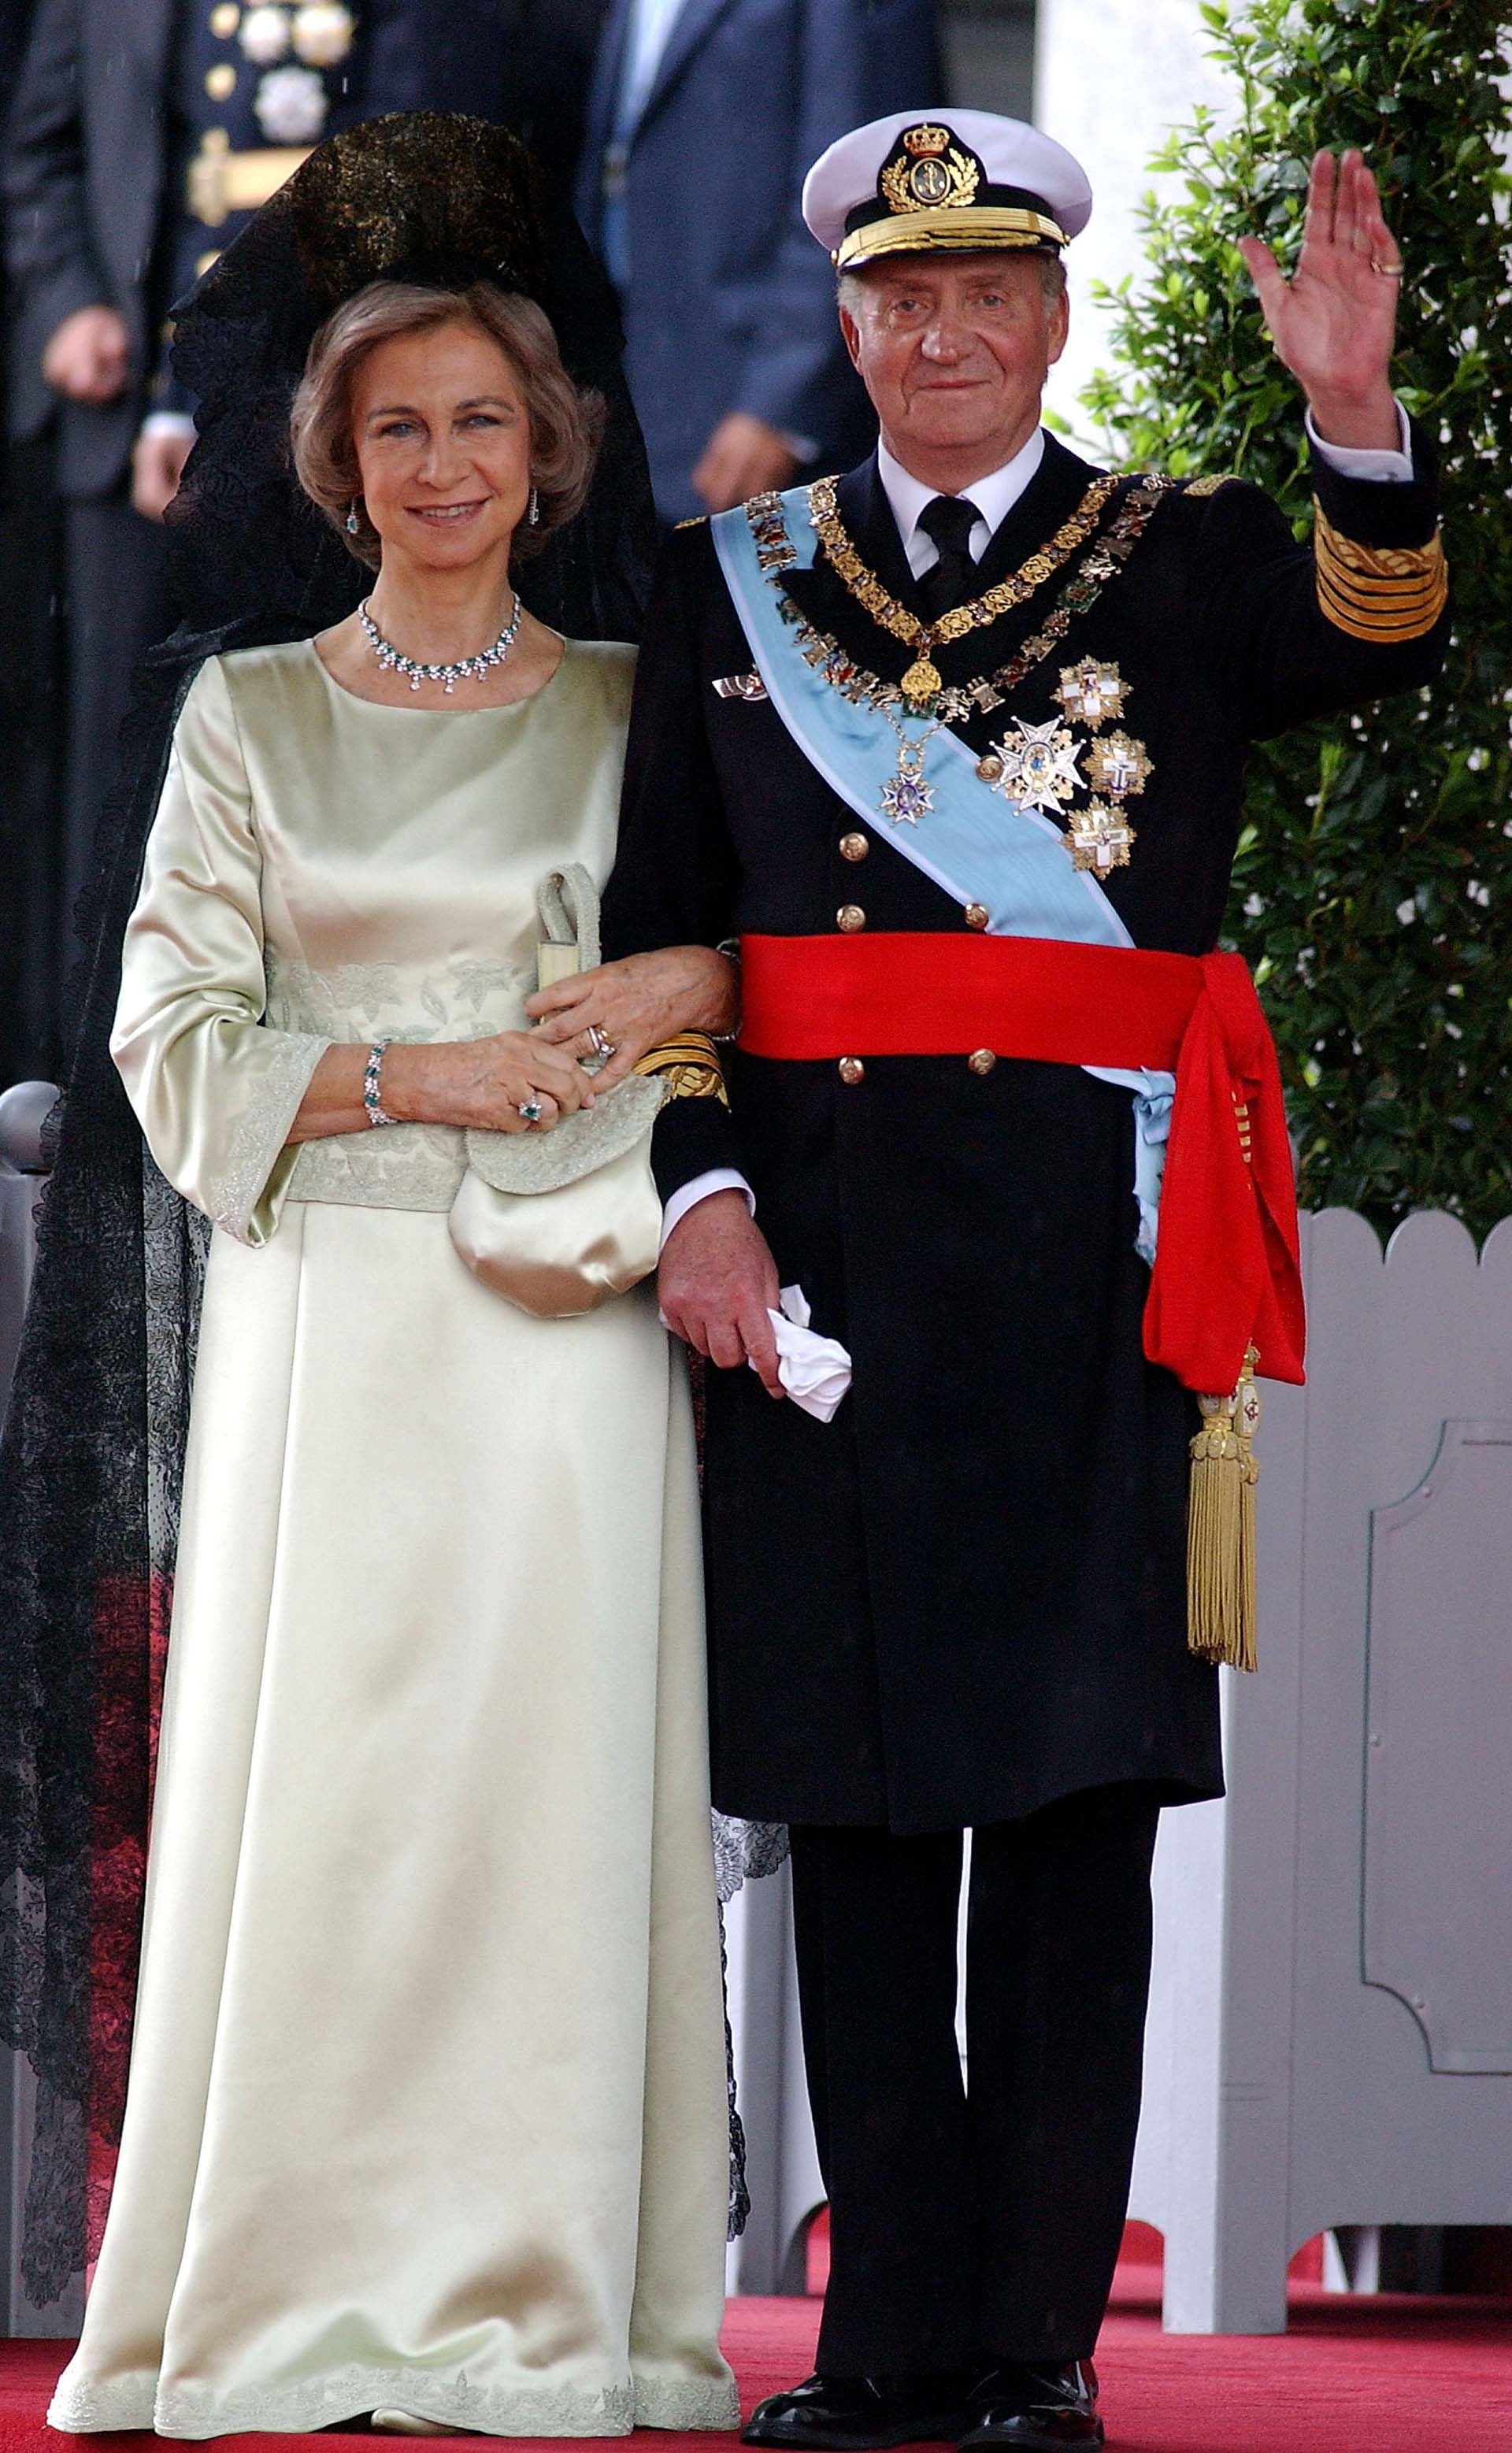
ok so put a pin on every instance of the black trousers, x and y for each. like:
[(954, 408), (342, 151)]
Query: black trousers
[(977, 2222)]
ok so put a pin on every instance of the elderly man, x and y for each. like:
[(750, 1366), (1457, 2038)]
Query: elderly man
[(955, 746)]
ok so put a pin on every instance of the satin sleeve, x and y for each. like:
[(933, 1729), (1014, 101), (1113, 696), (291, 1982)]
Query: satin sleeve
[(215, 1088)]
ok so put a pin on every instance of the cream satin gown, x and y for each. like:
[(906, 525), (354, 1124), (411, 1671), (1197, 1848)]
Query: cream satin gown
[(427, 2101)]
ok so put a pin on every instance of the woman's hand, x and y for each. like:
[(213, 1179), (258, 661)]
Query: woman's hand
[(637, 1004), (484, 1082)]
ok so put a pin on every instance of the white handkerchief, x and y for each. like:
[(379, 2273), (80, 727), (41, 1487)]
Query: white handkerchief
[(814, 1370)]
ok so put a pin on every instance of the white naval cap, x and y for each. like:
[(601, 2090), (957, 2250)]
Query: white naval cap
[(953, 179)]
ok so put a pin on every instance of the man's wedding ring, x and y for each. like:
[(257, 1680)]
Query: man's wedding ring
[(1387, 271), (597, 1043), (530, 1111)]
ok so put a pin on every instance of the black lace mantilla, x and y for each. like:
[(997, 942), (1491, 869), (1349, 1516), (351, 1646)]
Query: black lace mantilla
[(91, 1466)]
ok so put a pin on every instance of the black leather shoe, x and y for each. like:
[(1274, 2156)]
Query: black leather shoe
[(852, 2414), (1035, 2410)]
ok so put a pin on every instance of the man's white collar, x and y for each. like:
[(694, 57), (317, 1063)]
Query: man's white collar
[(994, 496)]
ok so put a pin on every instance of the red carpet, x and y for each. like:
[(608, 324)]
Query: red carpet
[(1382, 2375)]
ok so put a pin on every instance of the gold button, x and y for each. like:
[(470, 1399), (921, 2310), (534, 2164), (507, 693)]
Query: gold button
[(225, 19), (850, 917), (853, 1070), (977, 915), (982, 1060), (220, 81), (989, 768), (854, 847)]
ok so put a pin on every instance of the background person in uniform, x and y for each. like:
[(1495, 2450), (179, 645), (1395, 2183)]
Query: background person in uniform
[(140, 140), (703, 116), (964, 1602)]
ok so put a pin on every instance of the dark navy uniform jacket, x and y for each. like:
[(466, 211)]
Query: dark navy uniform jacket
[(966, 1595)]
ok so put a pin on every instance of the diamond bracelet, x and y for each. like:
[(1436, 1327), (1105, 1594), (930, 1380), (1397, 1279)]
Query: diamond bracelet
[(372, 1081)]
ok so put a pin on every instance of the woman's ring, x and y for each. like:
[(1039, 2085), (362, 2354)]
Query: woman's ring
[(530, 1111), (599, 1044), (1387, 271)]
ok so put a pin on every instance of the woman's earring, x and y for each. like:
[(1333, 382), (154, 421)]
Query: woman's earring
[(353, 523), (535, 508)]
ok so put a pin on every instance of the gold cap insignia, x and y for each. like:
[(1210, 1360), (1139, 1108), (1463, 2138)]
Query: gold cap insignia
[(928, 170)]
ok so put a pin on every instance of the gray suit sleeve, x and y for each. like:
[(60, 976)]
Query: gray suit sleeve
[(860, 58), (48, 254)]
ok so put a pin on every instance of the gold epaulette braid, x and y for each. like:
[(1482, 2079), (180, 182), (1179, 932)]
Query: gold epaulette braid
[(1380, 593), (689, 1066)]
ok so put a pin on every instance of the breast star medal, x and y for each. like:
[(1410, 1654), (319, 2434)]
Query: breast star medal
[(1119, 766), (1100, 839), (1036, 763), (1093, 691)]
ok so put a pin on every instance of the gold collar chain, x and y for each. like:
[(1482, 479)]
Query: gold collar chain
[(922, 680), (908, 796)]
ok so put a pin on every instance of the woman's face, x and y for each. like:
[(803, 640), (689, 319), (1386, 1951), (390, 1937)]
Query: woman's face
[(442, 446)]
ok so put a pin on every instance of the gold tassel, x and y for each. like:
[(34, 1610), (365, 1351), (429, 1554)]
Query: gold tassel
[(1221, 1605)]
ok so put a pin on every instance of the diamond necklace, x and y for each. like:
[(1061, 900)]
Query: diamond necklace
[(470, 669)]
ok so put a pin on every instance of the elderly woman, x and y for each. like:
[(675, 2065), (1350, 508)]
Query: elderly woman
[(427, 2113)]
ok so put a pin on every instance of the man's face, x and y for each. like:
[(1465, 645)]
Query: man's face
[(954, 350)]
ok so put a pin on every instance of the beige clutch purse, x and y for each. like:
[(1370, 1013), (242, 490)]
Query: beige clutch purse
[(559, 1222)]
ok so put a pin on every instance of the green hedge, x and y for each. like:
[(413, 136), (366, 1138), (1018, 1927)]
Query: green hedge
[(1374, 883)]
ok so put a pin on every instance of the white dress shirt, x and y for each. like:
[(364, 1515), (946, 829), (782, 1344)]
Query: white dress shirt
[(994, 496)]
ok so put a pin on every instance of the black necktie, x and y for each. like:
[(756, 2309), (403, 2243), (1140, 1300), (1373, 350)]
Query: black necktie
[(947, 522)]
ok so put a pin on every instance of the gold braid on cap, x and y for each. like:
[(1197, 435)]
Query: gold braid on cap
[(689, 1067), (964, 228), (1378, 593)]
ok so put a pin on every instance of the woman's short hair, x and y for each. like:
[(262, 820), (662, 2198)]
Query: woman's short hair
[(565, 424)]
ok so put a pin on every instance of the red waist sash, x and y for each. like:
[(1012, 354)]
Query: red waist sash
[(1226, 1272)]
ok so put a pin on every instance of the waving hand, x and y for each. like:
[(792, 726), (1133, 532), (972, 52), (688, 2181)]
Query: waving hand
[(1334, 322)]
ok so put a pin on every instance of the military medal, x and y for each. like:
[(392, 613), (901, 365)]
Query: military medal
[(907, 797), (922, 680), (1119, 766), (291, 102), (1092, 690), (1039, 768), (1099, 839)]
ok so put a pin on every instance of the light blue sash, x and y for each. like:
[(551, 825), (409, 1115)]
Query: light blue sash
[(977, 845)]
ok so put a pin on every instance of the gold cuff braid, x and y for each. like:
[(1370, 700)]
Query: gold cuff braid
[(689, 1066), (1385, 594)]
